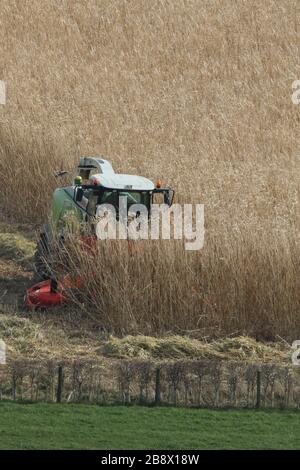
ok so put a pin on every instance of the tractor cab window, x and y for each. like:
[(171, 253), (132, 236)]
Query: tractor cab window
[(92, 202), (89, 201), (94, 197), (132, 197)]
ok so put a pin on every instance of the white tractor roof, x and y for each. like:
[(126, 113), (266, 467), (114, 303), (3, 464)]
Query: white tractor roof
[(108, 178), (118, 181)]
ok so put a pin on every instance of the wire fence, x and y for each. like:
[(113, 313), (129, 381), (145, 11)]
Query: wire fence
[(192, 383)]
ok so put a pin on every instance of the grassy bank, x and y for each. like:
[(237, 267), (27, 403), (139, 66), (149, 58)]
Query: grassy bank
[(45, 426)]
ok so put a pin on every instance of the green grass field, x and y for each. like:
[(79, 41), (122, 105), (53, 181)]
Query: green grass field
[(49, 426)]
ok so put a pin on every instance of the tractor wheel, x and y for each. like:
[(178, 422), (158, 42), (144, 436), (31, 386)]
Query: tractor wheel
[(41, 260), (40, 266)]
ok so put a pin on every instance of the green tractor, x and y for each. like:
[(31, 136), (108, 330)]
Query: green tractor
[(96, 183)]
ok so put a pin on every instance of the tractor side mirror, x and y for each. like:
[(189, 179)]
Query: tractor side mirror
[(78, 194), (168, 197)]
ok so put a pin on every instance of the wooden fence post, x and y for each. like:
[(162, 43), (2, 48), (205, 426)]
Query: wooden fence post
[(157, 386), (258, 389), (60, 384)]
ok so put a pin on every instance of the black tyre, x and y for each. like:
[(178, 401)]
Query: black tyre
[(41, 261)]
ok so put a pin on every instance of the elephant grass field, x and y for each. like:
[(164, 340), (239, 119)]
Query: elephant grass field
[(194, 92)]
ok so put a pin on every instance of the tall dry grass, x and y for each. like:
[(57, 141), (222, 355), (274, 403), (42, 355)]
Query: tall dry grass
[(145, 287), (196, 92)]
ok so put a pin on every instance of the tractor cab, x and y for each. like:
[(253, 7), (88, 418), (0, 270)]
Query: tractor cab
[(96, 183)]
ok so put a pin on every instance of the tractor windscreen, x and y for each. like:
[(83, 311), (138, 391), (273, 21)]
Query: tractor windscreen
[(132, 197), (111, 196)]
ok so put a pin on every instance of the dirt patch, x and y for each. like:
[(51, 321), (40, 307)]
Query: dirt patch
[(14, 280), (16, 252)]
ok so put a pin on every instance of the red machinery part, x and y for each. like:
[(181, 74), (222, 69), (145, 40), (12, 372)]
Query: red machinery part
[(50, 293), (42, 295)]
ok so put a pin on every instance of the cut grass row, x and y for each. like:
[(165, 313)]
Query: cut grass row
[(45, 426)]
